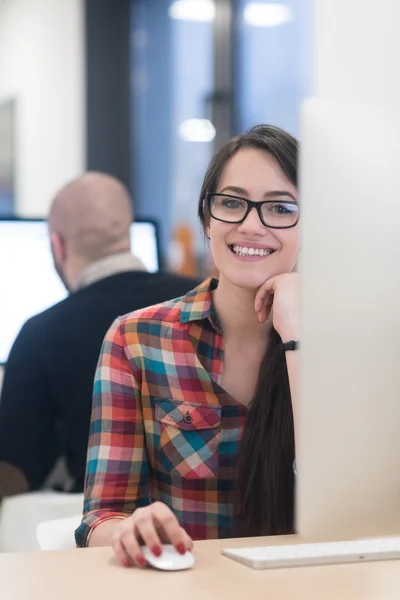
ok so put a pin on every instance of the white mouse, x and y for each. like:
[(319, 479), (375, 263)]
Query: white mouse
[(170, 559)]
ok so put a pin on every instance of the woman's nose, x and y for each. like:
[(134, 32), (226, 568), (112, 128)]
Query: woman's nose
[(252, 224)]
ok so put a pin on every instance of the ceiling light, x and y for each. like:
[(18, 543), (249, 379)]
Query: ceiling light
[(197, 130), (201, 11), (259, 14)]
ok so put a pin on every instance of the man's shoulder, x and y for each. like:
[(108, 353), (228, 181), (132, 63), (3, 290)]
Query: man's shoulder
[(124, 291), (169, 311), (49, 316), (169, 281), (36, 331), (167, 284)]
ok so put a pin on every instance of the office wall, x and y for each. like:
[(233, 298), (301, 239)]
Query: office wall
[(42, 68)]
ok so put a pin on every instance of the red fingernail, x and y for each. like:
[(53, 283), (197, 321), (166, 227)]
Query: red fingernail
[(126, 563), (156, 550), (141, 561), (181, 548)]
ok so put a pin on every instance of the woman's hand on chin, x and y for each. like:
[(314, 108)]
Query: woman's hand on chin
[(279, 297)]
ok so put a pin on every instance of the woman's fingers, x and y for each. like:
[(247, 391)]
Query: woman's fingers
[(120, 552), (188, 541), (265, 308), (166, 519), (151, 526), (126, 546), (259, 299), (145, 528), (264, 299), (128, 551)]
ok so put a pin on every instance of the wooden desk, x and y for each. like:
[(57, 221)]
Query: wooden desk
[(93, 573)]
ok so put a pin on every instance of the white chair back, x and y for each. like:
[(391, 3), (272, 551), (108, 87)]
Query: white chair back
[(57, 534), (20, 516)]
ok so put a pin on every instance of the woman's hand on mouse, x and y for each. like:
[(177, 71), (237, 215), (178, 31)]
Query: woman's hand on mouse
[(153, 526), (279, 296)]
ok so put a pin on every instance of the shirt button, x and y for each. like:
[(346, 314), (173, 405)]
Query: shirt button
[(187, 418)]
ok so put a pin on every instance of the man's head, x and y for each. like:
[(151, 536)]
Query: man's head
[(89, 219)]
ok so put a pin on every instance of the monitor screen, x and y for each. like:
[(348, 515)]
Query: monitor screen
[(28, 281), (7, 157)]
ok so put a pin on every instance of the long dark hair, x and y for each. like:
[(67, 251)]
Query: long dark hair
[(264, 503)]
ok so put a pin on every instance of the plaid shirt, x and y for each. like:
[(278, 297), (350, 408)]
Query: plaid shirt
[(162, 427)]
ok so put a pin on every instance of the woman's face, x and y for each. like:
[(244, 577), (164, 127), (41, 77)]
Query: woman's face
[(255, 175)]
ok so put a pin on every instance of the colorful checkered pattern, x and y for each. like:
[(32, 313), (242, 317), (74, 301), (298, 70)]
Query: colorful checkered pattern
[(162, 426)]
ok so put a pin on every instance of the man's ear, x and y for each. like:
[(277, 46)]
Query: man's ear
[(58, 248)]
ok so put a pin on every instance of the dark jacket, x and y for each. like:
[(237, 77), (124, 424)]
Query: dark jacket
[(46, 398)]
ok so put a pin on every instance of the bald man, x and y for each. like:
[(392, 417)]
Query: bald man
[(46, 397)]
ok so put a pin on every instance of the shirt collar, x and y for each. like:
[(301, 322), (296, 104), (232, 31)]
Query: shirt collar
[(197, 305), (105, 267)]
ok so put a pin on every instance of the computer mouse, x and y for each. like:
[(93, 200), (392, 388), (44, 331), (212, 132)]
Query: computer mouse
[(170, 559)]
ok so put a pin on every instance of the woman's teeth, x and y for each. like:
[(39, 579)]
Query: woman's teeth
[(245, 251)]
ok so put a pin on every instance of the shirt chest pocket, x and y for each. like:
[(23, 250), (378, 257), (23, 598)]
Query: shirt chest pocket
[(189, 437)]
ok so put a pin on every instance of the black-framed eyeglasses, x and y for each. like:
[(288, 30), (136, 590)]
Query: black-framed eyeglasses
[(276, 214)]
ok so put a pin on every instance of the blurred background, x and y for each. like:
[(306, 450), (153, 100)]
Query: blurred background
[(144, 90)]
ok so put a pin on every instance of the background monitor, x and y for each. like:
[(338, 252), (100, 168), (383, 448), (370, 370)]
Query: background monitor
[(28, 281), (7, 157)]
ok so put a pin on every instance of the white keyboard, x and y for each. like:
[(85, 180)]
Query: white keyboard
[(325, 553)]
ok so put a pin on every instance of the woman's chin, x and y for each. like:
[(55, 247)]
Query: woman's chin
[(250, 281)]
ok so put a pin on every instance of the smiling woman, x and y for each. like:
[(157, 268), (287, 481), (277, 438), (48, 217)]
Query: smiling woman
[(260, 211), (192, 431), (260, 167)]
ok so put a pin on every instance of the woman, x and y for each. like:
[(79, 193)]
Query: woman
[(192, 432)]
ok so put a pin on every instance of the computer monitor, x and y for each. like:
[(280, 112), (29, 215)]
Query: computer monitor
[(28, 281), (348, 429)]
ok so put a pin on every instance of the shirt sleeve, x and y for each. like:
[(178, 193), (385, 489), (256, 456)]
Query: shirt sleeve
[(117, 477)]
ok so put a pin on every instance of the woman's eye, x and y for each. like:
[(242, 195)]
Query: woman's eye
[(282, 208), (231, 203)]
